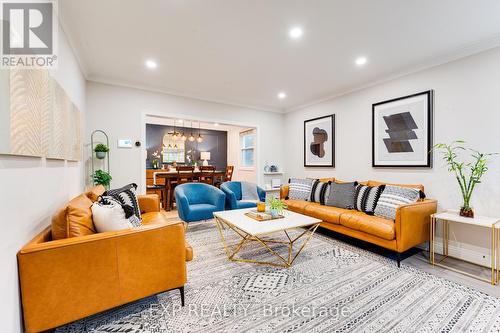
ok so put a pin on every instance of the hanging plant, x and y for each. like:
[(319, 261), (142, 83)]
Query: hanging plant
[(101, 150)]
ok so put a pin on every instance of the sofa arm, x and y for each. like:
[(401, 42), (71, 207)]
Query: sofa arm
[(149, 203), (80, 276), (217, 197), (412, 223), (284, 191)]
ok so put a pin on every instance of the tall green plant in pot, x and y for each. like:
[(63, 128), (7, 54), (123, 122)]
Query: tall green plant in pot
[(468, 174)]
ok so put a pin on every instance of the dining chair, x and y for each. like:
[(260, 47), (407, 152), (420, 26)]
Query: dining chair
[(229, 173), (185, 174), (207, 174)]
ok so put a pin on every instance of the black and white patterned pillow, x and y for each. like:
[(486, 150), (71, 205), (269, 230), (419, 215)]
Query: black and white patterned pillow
[(299, 189), (367, 198), (319, 191), (392, 197), (342, 195), (128, 210), (127, 196)]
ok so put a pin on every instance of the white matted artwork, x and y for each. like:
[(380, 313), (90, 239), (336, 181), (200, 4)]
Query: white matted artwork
[(402, 131), (319, 142)]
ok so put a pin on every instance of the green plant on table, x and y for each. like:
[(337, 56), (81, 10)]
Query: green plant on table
[(468, 174), (276, 205), (102, 178), (101, 148)]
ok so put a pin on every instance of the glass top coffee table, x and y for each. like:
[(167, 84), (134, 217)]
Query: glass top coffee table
[(261, 232)]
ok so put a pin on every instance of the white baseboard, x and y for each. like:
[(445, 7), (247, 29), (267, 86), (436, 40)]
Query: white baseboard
[(470, 253)]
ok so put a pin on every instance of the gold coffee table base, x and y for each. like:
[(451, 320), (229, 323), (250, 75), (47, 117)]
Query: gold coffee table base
[(245, 237)]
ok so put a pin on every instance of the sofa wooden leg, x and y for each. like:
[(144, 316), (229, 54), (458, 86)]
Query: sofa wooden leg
[(398, 258), (181, 289)]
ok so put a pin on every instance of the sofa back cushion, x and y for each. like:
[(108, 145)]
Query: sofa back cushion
[(79, 217), (74, 220), (342, 195), (95, 192), (299, 189), (377, 183)]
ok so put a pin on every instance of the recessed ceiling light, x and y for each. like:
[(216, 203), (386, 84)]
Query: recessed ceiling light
[(360, 61), (180, 121), (151, 64), (281, 95), (296, 32), (216, 124)]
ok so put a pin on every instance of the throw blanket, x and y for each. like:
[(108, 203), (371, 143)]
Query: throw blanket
[(249, 192)]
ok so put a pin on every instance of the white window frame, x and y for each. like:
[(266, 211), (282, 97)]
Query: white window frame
[(252, 148)]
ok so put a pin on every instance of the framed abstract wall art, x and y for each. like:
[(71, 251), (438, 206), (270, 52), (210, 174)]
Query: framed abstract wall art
[(402, 131), (319, 142)]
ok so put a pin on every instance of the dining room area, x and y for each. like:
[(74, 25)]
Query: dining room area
[(180, 151)]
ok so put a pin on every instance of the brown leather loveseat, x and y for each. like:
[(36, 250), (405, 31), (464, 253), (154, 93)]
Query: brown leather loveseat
[(86, 272), (410, 228)]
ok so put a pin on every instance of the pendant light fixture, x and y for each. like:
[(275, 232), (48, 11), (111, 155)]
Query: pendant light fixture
[(199, 138), (191, 137)]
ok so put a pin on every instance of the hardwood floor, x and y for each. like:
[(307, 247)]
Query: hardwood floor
[(419, 259)]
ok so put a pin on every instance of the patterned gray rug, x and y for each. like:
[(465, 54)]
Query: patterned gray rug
[(331, 287)]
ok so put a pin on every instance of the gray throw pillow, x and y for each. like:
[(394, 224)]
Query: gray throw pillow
[(342, 195)]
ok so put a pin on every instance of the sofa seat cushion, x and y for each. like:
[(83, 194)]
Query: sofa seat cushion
[(372, 225), (153, 218), (296, 206), (325, 213), (245, 204)]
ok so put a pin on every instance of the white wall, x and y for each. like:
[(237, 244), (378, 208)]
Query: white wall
[(467, 106), (121, 112), (32, 190)]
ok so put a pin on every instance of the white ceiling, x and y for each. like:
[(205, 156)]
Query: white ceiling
[(239, 51)]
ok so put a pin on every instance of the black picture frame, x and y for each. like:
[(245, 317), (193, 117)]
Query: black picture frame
[(430, 125), (333, 135)]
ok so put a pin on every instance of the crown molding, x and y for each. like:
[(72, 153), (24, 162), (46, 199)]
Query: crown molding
[(459, 53)]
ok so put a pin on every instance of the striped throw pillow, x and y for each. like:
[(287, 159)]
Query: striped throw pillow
[(319, 191), (392, 197), (367, 198), (299, 189)]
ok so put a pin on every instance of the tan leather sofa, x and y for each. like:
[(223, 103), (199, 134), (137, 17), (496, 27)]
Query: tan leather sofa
[(71, 278), (410, 228)]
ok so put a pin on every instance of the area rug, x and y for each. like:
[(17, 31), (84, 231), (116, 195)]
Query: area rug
[(331, 287)]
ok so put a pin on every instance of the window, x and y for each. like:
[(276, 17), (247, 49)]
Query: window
[(247, 146), (174, 151)]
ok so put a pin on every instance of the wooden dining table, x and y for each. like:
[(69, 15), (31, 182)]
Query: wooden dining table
[(170, 177)]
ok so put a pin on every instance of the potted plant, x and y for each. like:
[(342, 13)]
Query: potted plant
[(101, 150), (156, 158), (276, 207), (102, 178), (466, 180)]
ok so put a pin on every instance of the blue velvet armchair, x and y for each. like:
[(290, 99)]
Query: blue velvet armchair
[(198, 201), (233, 196)]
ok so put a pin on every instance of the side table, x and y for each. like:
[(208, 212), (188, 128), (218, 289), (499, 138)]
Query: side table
[(450, 216)]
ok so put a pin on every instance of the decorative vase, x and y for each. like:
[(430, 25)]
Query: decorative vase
[(466, 212), (274, 213), (100, 154), (155, 164)]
